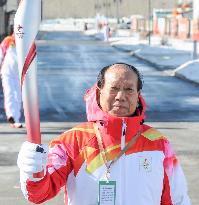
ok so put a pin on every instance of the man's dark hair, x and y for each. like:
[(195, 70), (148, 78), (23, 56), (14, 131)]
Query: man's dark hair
[(101, 79)]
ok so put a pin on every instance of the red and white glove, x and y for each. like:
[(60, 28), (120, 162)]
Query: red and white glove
[(32, 160)]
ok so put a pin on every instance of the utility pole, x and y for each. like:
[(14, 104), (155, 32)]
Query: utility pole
[(149, 19), (196, 27), (117, 11), (41, 10), (106, 8)]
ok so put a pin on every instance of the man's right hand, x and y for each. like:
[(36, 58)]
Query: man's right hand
[(32, 159)]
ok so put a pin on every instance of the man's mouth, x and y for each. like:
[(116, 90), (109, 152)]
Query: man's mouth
[(119, 106)]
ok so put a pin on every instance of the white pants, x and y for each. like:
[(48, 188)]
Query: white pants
[(12, 97)]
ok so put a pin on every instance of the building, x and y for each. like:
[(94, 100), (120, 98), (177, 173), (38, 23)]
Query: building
[(7, 12), (89, 8), (110, 8), (52, 9)]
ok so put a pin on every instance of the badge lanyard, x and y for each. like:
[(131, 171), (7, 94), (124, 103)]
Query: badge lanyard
[(104, 153)]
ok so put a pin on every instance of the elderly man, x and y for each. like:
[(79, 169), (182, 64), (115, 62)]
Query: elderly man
[(114, 158)]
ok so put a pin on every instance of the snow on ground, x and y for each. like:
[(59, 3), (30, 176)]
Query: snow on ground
[(189, 70)]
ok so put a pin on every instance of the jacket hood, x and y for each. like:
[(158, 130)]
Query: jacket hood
[(94, 112)]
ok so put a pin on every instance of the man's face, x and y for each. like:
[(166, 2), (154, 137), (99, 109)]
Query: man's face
[(119, 95)]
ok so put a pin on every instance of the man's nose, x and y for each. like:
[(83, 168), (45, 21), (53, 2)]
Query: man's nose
[(120, 95)]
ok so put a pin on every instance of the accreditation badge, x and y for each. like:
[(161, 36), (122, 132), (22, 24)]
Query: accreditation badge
[(107, 192)]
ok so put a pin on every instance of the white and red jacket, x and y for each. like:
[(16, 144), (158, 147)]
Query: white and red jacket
[(5, 44), (148, 174)]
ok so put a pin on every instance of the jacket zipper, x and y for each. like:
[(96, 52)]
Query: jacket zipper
[(123, 134), (122, 165)]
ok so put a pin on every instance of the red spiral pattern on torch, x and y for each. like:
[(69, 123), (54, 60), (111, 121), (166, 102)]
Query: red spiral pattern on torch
[(30, 57)]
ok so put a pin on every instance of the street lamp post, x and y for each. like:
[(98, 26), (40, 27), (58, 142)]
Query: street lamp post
[(41, 10), (196, 22), (117, 11)]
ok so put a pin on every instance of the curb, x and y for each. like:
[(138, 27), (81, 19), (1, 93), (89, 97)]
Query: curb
[(122, 49), (182, 77), (155, 65)]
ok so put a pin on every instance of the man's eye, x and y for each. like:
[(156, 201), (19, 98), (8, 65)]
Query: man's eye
[(130, 90), (114, 88)]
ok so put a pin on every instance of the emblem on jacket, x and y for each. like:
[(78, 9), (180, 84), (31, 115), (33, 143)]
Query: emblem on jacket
[(145, 164)]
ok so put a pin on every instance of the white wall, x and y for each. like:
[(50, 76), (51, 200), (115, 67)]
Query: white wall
[(86, 8), (11, 5), (2, 25)]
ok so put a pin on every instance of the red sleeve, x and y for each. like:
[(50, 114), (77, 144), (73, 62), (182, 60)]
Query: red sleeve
[(60, 164), (65, 155), (48, 187)]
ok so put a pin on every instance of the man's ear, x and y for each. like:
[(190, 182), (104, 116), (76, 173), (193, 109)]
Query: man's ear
[(138, 101), (98, 96)]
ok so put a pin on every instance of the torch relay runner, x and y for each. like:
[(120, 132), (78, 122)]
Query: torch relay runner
[(112, 159), (10, 80)]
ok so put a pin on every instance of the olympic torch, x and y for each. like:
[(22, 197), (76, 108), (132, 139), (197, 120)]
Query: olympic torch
[(26, 26)]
